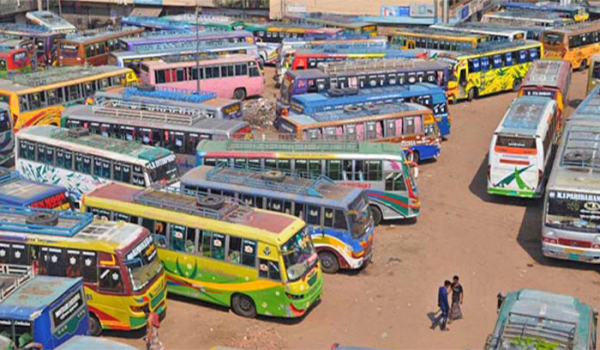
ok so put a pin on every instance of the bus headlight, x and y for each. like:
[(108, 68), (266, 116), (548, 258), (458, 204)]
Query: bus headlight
[(596, 244), (550, 237)]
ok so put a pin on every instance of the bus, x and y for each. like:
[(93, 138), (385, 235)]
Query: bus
[(92, 48), (574, 43), (14, 61), (363, 74), (38, 98), (333, 21), (572, 12), (549, 78), (38, 312), (215, 107), (208, 22), (50, 20), (44, 40), (157, 23), (81, 162), (269, 36), (13, 43), (522, 148), (312, 58), (174, 127), (524, 18), (14, 190), (117, 261), (487, 70), (561, 321), (428, 95), (338, 218), (594, 73), (289, 46), (220, 251), (79, 342), (153, 38), (7, 135), (173, 52), (491, 32), (435, 39), (229, 76), (408, 124), (380, 169)]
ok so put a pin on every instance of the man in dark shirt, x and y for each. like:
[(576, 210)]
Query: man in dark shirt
[(443, 305), (457, 300)]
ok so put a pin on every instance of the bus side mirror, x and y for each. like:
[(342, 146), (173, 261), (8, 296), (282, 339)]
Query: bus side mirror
[(501, 297)]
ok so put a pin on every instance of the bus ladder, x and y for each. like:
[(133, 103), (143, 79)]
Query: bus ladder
[(22, 274), (122, 109)]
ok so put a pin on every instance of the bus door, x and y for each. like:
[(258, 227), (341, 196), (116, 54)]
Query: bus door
[(462, 73)]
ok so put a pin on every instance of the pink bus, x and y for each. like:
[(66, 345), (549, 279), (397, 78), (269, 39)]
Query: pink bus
[(228, 76)]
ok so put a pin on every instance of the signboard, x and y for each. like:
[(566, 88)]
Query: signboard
[(295, 8), (464, 13), (422, 10), (66, 309), (148, 2), (395, 11)]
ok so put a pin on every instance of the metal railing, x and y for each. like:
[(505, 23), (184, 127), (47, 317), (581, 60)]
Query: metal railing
[(22, 274), (14, 219), (142, 111)]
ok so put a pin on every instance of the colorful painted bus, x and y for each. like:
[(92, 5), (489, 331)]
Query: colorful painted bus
[(208, 22), (38, 312), (428, 95), (38, 98), (17, 191), (491, 69), (363, 74), (157, 23), (593, 73), (81, 162), (436, 39), (572, 12), (117, 261), (530, 316), (229, 76), (522, 148), (177, 127), (152, 38), (575, 43), (174, 52), (411, 125), (220, 251), (524, 18), (14, 61), (45, 40), (379, 168), (549, 78), (492, 33), (7, 135), (338, 217), (92, 48), (17, 43), (50, 20)]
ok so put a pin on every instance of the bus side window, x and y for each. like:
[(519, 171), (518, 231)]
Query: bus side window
[(395, 182), (269, 269), (328, 217), (334, 169), (177, 238), (217, 246), (73, 263), (313, 216), (90, 267), (110, 280), (234, 250), (55, 262), (340, 220), (138, 176)]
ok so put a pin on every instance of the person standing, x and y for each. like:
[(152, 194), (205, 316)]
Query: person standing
[(444, 307), (457, 300), (152, 326)]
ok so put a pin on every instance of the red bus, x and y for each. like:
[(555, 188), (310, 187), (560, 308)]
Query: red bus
[(14, 60)]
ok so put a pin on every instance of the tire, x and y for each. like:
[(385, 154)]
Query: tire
[(146, 87), (95, 326), (243, 305), (416, 157), (329, 262), (583, 65), (43, 219), (516, 85), (239, 94), (211, 202), (335, 92), (471, 95), (376, 214), (351, 91), (78, 132), (273, 175)]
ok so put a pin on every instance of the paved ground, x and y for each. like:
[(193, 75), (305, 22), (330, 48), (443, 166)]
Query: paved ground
[(492, 243)]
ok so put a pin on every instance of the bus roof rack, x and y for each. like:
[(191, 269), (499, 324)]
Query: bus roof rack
[(184, 46), (582, 148), (375, 110), (296, 146), (84, 36), (23, 27), (170, 94), (370, 64), (245, 177), (12, 277), (97, 141), (21, 219), (7, 175), (60, 74), (163, 113), (555, 331)]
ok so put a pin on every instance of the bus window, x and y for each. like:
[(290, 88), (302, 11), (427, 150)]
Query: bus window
[(313, 216), (334, 169), (217, 249), (269, 269), (340, 220), (110, 280), (234, 251), (249, 252)]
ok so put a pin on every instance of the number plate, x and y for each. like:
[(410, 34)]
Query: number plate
[(573, 251)]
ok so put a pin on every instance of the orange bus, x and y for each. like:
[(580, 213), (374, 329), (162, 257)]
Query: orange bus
[(575, 43)]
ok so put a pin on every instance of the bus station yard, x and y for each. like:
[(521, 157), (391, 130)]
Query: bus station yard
[(491, 242)]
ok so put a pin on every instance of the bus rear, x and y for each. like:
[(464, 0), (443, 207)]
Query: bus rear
[(7, 134)]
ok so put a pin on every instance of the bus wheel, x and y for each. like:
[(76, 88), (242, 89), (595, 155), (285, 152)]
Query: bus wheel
[(376, 214), (416, 157), (516, 85), (239, 94), (95, 326), (243, 305), (472, 94), (583, 65), (329, 262)]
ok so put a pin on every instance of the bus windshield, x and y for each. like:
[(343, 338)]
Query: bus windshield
[(299, 255), (142, 264), (553, 38), (164, 169), (360, 216), (574, 211)]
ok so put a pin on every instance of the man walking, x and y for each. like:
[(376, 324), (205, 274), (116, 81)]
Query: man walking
[(444, 306), (457, 300)]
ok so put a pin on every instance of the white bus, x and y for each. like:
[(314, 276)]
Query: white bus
[(81, 162), (494, 33), (50, 20), (524, 18), (521, 147)]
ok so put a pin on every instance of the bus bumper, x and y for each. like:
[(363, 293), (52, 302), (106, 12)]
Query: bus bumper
[(555, 251), (512, 193)]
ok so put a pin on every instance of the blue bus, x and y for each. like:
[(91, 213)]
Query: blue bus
[(15, 190), (80, 342), (7, 135), (338, 217), (40, 311), (426, 94)]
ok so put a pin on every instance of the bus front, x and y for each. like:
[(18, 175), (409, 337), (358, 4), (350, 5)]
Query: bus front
[(161, 168), (571, 227), (594, 73), (362, 228), (555, 44), (302, 274)]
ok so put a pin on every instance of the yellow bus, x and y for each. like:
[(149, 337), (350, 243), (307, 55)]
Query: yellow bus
[(117, 261), (39, 97), (435, 39), (575, 43), (221, 251), (593, 73), (490, 68)]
